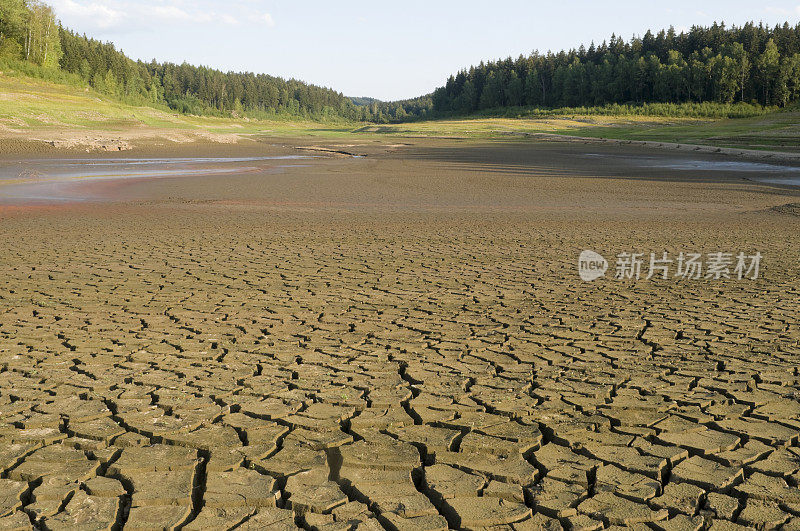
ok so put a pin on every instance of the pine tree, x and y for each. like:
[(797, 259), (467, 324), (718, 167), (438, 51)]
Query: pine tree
[(13, 28)]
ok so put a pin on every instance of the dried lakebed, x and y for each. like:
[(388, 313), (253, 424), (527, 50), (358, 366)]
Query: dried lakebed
[(222, 354)]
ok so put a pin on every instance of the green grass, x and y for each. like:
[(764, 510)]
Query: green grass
[(668, 110), (776, 130), (498, 127), (29, 105)]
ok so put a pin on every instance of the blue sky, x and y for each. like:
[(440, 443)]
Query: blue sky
[(387, 50)]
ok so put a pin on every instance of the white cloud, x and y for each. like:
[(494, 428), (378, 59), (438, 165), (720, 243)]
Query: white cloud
[(780, 11), (175, 13), (105, 16), (170, 12), (229, 19), (100, 15)]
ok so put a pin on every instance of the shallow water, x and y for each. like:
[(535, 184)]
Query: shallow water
[(754, 171), (785, 182), (120, 168), (56, 179), (723, 165), (687, 164)]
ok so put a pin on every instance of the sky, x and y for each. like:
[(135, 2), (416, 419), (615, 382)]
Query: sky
[(385, 50)]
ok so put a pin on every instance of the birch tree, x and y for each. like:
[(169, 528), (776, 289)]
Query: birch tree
[(42, 42)]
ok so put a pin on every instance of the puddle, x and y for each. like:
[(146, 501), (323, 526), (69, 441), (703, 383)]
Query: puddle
[(726, 166), (120, 168), (785, 182), (695, 164), (55, 179), (755, 171)]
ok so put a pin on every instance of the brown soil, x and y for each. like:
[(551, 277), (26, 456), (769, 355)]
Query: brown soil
[(399, 341)]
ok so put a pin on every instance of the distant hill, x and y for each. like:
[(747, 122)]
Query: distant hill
[(364, 101), (752, 64), (749, 65), (32, 40)]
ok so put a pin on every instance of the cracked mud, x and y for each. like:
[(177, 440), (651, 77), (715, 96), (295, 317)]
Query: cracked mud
[(188, 364)]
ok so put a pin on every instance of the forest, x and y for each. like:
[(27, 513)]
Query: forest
[(30, 33), (749, 64), (705, 71)]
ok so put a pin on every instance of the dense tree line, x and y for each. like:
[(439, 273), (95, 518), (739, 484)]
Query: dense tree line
[(30, 32), (197, 90), (753, 64)]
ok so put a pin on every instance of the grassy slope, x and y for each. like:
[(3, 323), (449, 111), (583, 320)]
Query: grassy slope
[(778, 131), (503, 127), (773, 131), (29, 106)]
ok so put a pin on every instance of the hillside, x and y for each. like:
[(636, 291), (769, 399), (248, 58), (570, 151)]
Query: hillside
[(32, 39), (774, 131), (751, 64), (751, 68), (37, 114)]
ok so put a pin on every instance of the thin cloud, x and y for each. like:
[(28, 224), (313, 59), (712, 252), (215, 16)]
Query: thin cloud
[(772, 10), (148, 15), (99, 15), (170, 13), (229, 19)]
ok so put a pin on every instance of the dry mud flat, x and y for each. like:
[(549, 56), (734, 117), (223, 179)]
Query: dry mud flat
[(399, 342)]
